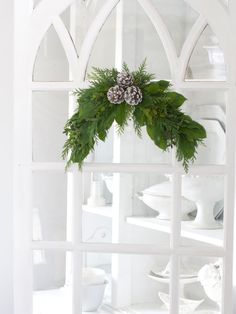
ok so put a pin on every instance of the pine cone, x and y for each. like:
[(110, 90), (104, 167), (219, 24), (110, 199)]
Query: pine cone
[(133, 95), (125, 79), (115, 94)]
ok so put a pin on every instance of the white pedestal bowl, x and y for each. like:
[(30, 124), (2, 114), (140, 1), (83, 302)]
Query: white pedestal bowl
[(205, 192)]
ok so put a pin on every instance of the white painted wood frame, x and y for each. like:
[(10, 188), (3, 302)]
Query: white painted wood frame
[(30, 27)]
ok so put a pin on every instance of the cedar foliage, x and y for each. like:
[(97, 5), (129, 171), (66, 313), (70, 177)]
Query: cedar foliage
[(159, 112)]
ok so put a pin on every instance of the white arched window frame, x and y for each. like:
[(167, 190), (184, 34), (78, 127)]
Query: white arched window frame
[(30, 27)]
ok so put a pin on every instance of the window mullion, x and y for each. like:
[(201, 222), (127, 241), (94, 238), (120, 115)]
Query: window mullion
[(175, 242), (77, 239)]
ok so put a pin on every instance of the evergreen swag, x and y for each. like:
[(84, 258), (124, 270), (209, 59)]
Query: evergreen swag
[(118, 97)]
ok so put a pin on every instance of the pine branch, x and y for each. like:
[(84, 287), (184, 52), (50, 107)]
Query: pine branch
[(160, 112)]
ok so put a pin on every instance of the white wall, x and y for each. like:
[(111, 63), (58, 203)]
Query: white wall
[(6, 129)]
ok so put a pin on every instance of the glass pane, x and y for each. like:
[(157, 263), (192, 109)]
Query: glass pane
[(140, 41), (128, 148), (52, 287), (201, 281), (126, 208), (78, 18), (129, 283), (49, 205), (179, 18), (207, 59), (209, 109), (106, 38), (51, 63), (205, 223), (50, 113)]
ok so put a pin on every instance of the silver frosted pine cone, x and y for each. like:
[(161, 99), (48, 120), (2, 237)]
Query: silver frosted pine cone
[(133, 95), (115, 94), (125, 79)]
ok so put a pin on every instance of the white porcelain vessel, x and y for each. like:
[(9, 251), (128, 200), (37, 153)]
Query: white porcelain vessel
[(210, 277), (158, 197), (213, 150), (108, 179), (162, 204), (93, 276), (93, 287), (205, 191), (96, 198), (92, 296)]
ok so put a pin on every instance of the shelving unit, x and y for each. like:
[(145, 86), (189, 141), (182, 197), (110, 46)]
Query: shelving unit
[(134, 164), (213, 237)]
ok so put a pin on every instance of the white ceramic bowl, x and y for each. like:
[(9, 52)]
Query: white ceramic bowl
[(93, 296), (205, 191), (186, 306), (93, 276), (162, 204), (204, 188)]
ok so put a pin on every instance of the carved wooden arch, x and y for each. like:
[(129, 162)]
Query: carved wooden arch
[(46, 14)]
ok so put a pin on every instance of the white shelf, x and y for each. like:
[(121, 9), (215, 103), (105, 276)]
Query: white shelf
[(214, 237), (105, 211), (59, 301), (142, 308)]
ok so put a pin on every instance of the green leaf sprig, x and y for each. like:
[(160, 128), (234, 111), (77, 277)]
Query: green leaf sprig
[(159, 111)]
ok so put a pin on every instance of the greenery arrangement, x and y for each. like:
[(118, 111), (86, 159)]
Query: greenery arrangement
[(121, 96)]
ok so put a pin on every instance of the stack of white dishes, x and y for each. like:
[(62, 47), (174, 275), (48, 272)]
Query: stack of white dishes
[(187, 275), (94, 283)]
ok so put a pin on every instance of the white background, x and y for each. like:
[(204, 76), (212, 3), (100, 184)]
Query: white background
[(6, 170)]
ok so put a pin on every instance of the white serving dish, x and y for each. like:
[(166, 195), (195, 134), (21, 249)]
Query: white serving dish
[(186, 306), (92, 296), (158, 197), (162, 204)]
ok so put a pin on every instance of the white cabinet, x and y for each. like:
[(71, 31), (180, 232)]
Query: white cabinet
[(187, 42)]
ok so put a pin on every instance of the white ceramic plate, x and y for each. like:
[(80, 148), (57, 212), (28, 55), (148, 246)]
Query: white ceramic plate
[(186, 271), (165, 279)]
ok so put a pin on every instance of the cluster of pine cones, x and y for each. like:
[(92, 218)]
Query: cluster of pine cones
[(125, 90)]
